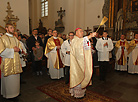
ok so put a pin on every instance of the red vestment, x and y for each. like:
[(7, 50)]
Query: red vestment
[(57, 43), (120, 61)]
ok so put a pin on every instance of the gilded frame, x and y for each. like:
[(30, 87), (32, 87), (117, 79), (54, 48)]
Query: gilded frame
[(134, 6)]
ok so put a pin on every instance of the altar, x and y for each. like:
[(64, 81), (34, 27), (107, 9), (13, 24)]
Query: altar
[(123, 18)]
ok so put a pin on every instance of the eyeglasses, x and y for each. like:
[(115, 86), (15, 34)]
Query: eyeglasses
[(54, 32)]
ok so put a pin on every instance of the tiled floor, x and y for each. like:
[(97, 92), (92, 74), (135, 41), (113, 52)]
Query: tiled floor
[(120, 86)]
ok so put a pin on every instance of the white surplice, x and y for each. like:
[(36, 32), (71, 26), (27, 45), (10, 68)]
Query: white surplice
[(10, 85), (54, 73), (118, 55), (21, 58), (66, 57), (103, 52), (132, 59)]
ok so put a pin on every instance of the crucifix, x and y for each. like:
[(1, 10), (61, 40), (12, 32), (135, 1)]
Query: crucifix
[(87, 30), (61, 13)]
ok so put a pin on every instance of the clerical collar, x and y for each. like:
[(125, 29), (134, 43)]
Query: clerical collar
[(54, 37), (9, 34), (122, 40), (69, 41), (105, 38)]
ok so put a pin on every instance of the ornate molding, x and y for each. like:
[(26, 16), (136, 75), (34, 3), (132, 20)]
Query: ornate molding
[(10, 18)]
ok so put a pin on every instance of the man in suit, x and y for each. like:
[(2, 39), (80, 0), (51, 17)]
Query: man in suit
[(31, 45)]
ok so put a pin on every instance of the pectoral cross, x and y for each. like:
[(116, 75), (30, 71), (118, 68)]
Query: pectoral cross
[(87, 30), (61, 13)]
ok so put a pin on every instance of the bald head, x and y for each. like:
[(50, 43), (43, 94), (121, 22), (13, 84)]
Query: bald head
[(79, 33)]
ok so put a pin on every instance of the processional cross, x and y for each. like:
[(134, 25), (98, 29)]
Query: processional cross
[(61, 13), (87, 30)]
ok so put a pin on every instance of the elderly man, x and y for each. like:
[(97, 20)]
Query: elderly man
[(80, 64)]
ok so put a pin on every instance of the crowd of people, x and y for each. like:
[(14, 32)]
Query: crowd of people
[(75, 57)]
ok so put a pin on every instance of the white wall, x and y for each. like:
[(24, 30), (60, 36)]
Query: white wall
[(93, 9), (79, 13), (21, 9)]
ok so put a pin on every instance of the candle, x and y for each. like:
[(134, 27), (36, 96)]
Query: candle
[(122, 24), (118, 26)]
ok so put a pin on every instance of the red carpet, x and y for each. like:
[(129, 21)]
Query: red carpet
[(60, 91)]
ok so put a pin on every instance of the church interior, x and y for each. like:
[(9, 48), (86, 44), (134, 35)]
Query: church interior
[(65, 16)]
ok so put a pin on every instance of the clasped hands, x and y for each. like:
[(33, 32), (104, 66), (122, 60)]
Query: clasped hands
[(58, 47), (105, 44), (68, 52), (16, 49), (33, 48), (122, 46)]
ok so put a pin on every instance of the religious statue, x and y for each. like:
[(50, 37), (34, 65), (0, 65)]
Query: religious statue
[(41, 29), (10, 18), (59, 24)]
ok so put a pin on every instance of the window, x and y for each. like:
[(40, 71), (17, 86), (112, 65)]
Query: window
[(44, 8)]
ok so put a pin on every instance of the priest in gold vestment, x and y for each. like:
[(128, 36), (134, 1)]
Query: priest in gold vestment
[(81, 67), (133, 56), (10, 66), (53, 53), (121, 54)]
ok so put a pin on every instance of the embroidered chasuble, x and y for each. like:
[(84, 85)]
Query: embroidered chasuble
[(134, 49), (51, 44), (136, 62), (121, 56), (120, 61), (10, 66), (80, 62), (59, 62)]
